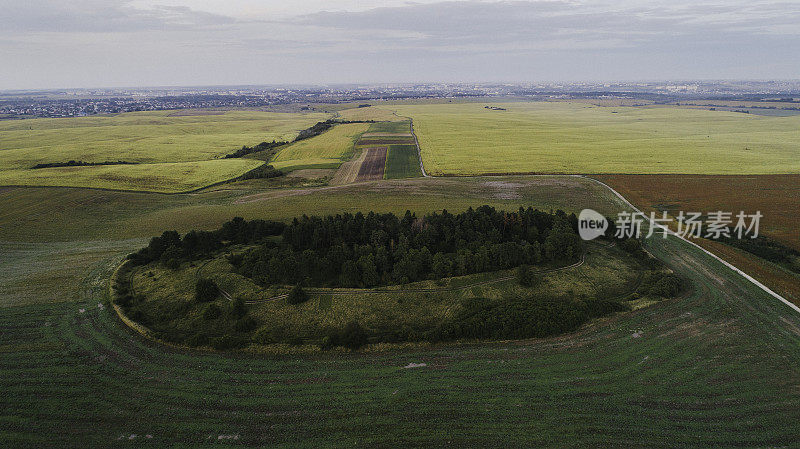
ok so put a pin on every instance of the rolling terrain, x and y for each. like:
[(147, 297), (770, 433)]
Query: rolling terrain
[(717, 367), (166, 152)]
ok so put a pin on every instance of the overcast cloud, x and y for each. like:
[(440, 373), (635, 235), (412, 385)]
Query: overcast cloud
[(85, 43)]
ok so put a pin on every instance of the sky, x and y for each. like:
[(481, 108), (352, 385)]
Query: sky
[(122, 43)]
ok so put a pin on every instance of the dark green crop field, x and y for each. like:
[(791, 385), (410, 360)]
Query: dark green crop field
[(717, 367), (402, 161)]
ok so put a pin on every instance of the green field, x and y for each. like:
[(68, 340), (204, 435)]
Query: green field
[(173, 152), (715, 368), (390, 127), (402, 161), (553, 137)]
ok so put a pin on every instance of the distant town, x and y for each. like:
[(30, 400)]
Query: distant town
[(84, 102)]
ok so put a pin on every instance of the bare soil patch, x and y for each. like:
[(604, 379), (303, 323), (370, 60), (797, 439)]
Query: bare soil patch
[(387, 135), (372, 167), (504, 190), (348, 171)]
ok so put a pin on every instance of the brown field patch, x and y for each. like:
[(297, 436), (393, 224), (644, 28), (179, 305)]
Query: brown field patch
[(387, 135), (372, 167), (776, 196)]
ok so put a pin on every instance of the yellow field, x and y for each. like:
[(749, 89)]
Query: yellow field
[(581, 138)]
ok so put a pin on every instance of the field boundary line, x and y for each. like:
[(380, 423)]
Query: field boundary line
[(724, 262)]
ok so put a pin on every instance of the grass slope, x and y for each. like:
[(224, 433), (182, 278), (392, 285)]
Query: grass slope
[(581, 138), (145, 137), (170, 177), (62, 214), (330, 147)]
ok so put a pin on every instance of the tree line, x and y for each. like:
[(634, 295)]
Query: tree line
[(357, 250)]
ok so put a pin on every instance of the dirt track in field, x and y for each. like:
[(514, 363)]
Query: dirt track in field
[(373, 165)]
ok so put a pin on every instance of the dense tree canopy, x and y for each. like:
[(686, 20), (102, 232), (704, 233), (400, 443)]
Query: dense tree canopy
[(378, 249)]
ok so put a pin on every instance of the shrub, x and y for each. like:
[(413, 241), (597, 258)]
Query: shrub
[(212, 312), (245, 324), (631, 245), (668, 286), (238, 308), (526, 277), (353, 336), (205, 290), (297, 295)]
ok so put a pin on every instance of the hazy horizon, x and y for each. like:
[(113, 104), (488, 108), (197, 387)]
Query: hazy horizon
[(185, 43)]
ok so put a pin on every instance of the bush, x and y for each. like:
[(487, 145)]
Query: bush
[(238, 308), (297, 295), (353, 336), (212, 312), (656, 283), (245, 324), (205, 290), (601, 307), (266, 335), (513, 319), (631, 245), (668, 286), (526, 277)]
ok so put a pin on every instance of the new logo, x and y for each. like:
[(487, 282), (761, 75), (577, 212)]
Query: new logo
[(591, 224)]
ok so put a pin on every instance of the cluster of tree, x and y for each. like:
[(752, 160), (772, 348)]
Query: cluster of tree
[(321, 127), (379, 249), (522, 317), (171, 249), (80, 164), (765, 248), (317, 129), (262, 172), (263, 146), (660, 283)]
